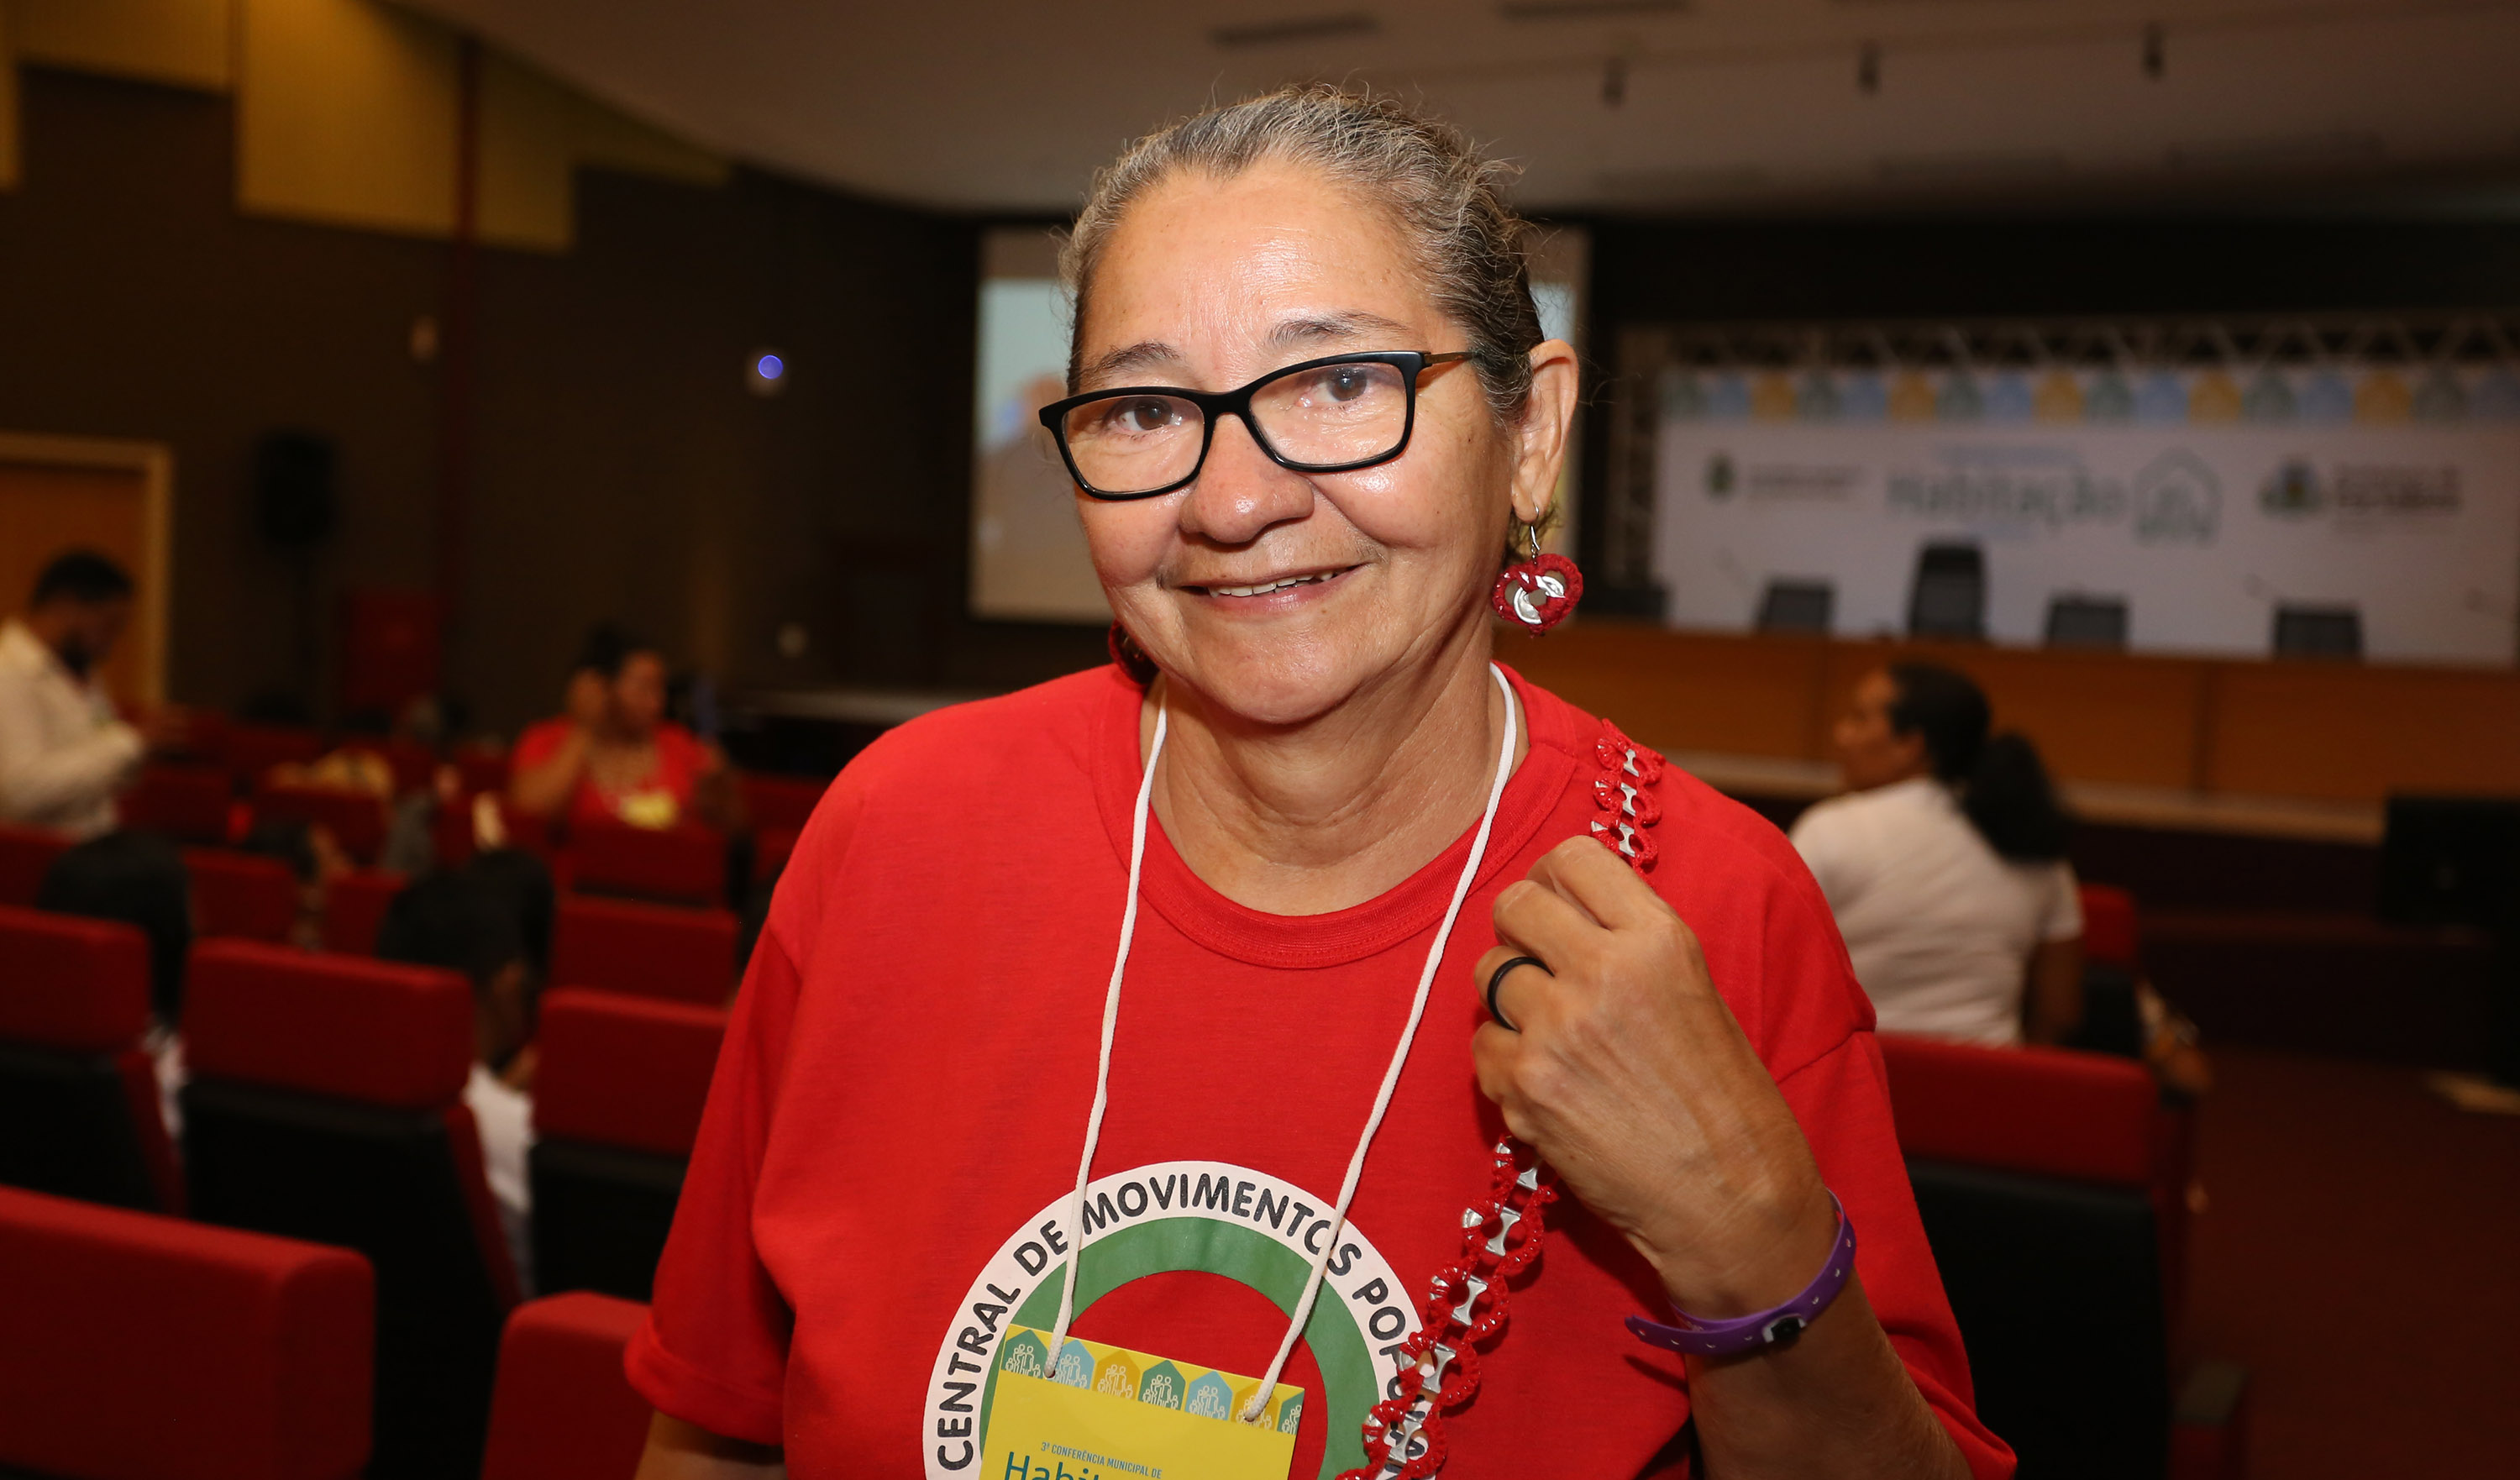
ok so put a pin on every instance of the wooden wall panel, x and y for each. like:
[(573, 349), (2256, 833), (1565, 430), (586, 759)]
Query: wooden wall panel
[(1681, 691), (2095, 716), (2332, 732), (2355, 732)]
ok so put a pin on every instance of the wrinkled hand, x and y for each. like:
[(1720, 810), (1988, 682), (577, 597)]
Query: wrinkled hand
[(1629, 1076)]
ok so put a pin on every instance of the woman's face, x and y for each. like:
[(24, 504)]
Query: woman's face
[(1209, 284), (638, 695), (1870, 751)]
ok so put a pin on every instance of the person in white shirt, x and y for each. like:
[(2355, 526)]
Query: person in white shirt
[(475, 920), (64, 751), (1944, 866)]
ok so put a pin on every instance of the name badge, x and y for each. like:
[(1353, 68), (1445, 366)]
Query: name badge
[(1105, 1412)]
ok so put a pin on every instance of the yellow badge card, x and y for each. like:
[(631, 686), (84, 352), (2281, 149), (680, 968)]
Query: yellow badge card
[(1105, 1412)]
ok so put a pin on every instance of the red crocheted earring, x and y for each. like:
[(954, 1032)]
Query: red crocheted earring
[(1537, 593)]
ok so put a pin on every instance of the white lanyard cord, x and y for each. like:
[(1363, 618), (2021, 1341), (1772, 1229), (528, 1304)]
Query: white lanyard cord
[(1381, 1098)]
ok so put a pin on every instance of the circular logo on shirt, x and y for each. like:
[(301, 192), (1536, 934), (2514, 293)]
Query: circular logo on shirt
[(1208, 1216)]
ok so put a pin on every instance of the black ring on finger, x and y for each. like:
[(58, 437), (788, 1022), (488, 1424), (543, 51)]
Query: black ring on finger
[(1496, 979)]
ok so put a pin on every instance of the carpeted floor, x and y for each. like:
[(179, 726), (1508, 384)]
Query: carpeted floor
[(2360, 1254)]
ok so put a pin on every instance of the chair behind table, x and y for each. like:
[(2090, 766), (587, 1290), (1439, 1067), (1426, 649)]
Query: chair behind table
[(78, 1095), (325, 1104), (156, 1348), (617, 1102)]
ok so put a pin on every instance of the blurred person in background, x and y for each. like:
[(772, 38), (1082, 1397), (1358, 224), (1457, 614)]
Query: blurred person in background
[(63, 749), (139, 880), (475, 922), (613, 755), (315, 856), (1944, 864)]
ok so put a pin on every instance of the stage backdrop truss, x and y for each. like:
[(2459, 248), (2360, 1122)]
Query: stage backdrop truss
[(2202, 496)]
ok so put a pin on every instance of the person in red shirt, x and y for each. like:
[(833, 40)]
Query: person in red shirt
[(1079, 1010), (613, 756)]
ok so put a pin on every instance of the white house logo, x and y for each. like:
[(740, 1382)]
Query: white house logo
[(1209, 1216), (2178, 500)]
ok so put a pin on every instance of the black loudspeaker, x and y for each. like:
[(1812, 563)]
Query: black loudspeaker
[(293, 489)]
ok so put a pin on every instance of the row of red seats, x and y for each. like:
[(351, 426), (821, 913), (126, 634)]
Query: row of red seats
[(684, 954), (200, 804), (325, 1103), (156, 1348)]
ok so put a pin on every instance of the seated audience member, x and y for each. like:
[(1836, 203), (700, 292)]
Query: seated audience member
[(311, 853), (614, 755), (1944, 864), (471, 920), (139, 880), (64, 750)]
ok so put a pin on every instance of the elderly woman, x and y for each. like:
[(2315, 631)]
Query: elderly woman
[(1084, 1005)]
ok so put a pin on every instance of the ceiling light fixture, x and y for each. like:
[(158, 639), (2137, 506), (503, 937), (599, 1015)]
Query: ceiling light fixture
[(1295, 29), (2154, 56), (1868, 69), (1587, 9), (1614, 82)]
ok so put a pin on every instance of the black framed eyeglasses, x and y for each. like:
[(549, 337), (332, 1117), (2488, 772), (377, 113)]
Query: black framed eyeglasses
[(1332, 414)]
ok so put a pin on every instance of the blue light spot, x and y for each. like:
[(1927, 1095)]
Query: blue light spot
[(770, 367)]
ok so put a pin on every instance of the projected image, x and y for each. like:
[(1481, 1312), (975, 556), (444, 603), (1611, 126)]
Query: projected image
[(1028, 561)]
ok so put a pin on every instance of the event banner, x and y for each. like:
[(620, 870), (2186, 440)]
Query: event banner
[(2198, 510)]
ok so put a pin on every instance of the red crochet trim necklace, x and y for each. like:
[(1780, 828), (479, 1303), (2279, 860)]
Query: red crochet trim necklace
[(1465, 1302)]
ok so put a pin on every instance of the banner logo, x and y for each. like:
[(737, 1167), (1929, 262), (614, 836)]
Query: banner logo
[(2178, 500), (2292, 491)]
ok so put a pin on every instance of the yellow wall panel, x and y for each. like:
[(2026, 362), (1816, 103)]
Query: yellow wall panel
[(346, 115), (185, 42), (535, 133)]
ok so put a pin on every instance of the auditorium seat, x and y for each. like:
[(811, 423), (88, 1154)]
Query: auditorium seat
[(251, 751), (25, 853), (644, 949), (564, 1409), (772, 847), (2040, 1177), (244, 895), (189, 803), (481, 770), (154, 1349), (618, 1104), (326, 1103), (2109, 926), (683, 866), (78, 1096), (781, 801), (354, 907), (356, 819)]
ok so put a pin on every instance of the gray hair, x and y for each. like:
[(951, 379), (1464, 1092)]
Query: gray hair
[(1446, 199)]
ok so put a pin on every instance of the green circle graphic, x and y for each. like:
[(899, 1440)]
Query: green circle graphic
[(1249, 1258)]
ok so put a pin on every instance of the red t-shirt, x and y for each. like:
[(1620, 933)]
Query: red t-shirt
[(659, 799), (894, 1126)]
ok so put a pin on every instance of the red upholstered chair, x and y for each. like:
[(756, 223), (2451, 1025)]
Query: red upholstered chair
[(326, 1103), (357, 819), (564, 1411), (354, 907), (683, 866), (251, 751), (2059, 1232), (781, 801), (644, 949), (25, 854), (618, 1104), (481, 770), (244, 895), (772, 847), (78, 1097), (138, 1347), (2109, 934), (189, 803)]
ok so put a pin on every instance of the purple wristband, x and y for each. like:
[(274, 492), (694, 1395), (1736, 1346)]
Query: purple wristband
[(1773, 1326)]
